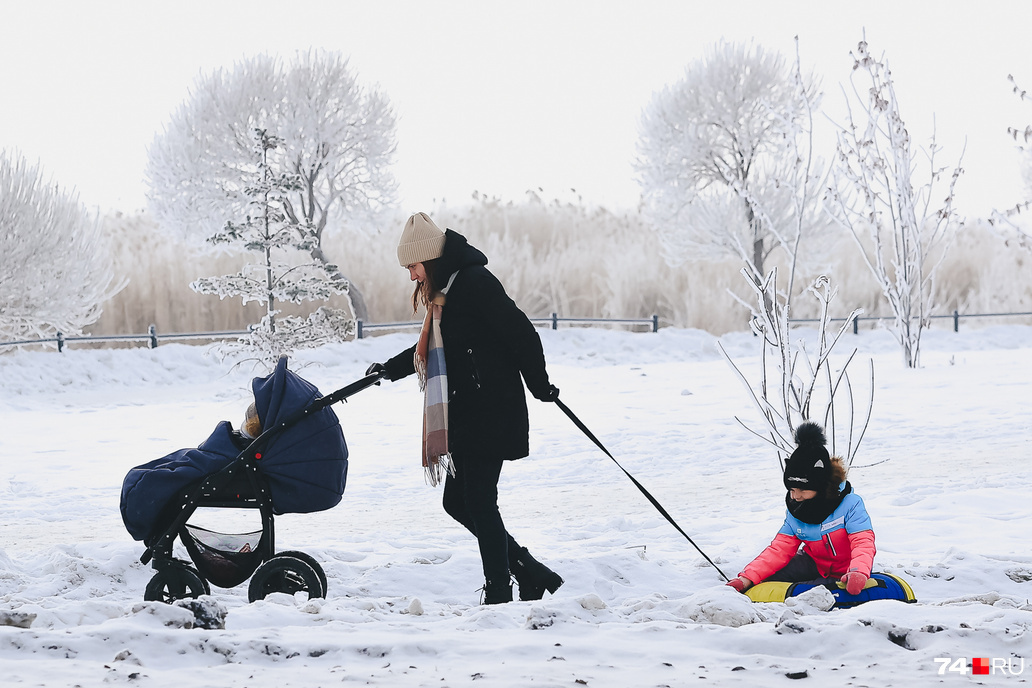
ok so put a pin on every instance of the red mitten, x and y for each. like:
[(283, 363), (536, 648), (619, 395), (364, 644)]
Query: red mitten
[(855, 582), (739, 584)]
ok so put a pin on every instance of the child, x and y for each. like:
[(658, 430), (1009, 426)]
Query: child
[(824, 515), (249, 429), (252, 425)]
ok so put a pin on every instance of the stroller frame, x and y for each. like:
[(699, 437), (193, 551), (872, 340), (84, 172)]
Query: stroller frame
[(239, 485)]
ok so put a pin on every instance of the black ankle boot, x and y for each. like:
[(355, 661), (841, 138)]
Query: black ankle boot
[(533, 577), (497, 592)]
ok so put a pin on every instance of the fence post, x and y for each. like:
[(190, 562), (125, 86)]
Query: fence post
[(153, 332), (555, 321), (60, 342), (358, 329), (655, 322), (956, 320)]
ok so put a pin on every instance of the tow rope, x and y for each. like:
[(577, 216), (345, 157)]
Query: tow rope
[(648, 495)]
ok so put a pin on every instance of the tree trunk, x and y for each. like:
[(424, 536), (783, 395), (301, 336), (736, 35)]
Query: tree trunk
[(358, 304), (757, 256)]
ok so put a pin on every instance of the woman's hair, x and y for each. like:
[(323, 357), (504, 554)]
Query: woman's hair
[(424, 290)]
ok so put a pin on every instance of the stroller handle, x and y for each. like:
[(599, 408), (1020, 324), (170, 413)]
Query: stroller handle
[(347, 391), (318, 405)]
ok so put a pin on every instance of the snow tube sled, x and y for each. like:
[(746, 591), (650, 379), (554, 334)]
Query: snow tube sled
[(880, 586)]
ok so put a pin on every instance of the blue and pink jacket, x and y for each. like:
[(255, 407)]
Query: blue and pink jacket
[(843, 542)]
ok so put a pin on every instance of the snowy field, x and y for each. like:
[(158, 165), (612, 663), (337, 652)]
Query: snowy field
[(945, 471)]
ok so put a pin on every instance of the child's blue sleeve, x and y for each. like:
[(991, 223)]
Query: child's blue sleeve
[(857, 518)]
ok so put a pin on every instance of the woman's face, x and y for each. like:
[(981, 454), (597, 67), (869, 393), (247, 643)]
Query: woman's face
[(416, 272), (801, 495)]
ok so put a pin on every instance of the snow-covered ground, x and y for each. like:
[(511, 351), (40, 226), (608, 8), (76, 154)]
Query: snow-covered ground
[(945, 471)]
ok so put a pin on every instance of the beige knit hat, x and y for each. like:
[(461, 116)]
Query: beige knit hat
[(421, 241)]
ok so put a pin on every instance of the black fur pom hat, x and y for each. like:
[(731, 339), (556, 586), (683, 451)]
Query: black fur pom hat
[(809, 467)]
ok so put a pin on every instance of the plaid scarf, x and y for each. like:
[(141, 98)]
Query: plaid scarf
[(433, 381)]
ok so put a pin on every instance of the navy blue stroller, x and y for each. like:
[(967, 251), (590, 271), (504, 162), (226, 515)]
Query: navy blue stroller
[(298, 464)]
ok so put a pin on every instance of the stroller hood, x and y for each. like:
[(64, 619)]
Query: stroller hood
[(306, 464)]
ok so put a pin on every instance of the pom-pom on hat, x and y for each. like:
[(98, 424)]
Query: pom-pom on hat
[(809, 467), (421, 241)]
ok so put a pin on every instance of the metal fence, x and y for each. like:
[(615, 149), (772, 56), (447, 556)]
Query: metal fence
[(553, 322), (152, 337), (955, 317)]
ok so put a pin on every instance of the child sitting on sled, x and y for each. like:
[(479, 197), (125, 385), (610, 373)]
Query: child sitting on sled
[(825, 516)]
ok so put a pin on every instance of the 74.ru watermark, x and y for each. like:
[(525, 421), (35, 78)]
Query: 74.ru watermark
[(987, 666)]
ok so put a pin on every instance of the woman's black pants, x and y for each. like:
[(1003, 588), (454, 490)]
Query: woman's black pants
[(471, 498)]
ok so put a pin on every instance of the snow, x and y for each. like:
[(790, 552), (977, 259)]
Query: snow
[(944, 471)]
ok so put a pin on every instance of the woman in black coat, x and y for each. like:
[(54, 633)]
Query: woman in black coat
[(488, 345)]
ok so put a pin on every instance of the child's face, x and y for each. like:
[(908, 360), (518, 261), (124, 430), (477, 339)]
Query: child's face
[(801, 495)]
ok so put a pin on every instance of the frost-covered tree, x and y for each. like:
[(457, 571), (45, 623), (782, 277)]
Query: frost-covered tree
[(338, 140), (902, 230), (55, 264), (724, 160), (285, 271)]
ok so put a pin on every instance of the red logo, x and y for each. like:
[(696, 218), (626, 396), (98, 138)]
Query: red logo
[(980, 665)]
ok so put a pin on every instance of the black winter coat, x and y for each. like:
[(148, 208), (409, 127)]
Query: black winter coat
[(488, 344)]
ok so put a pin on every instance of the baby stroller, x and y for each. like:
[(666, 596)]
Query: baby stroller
[(297, 464)]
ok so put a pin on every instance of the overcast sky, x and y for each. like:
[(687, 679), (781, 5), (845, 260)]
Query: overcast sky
[(491, 95)]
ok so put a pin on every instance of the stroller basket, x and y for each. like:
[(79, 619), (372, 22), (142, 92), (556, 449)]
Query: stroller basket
[(227, 560)]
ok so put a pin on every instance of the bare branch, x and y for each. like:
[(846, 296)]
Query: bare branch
[(799, 374)]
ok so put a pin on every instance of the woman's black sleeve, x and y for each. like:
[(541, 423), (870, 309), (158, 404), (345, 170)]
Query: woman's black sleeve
[(511, 326), (401, 365)]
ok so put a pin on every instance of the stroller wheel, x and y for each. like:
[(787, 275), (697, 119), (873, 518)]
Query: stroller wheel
[(175, 581), (310, 560), (284, 574)]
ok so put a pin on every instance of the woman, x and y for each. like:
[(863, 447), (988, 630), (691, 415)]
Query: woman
[(475, 413), (824, 515)]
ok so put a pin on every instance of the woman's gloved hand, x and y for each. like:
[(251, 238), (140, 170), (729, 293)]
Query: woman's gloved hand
[(376, 369), (550, 394)]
